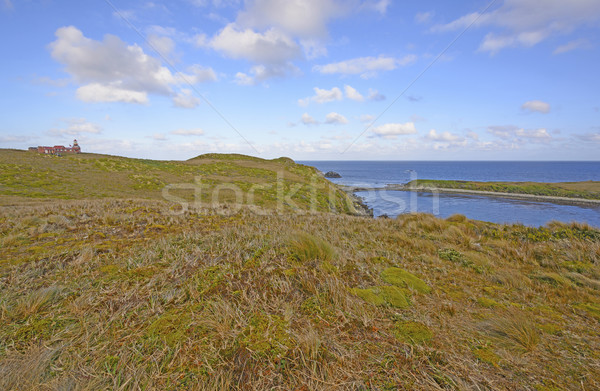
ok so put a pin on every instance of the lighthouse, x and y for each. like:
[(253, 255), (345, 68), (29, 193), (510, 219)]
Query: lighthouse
[(76, 148)]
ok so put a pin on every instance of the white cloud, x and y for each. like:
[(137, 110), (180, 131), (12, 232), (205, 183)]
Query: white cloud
[(322, 96), (97, 92), (572, 45), (111, 71), (270, 47), (510, 132), (536, 106), (186, 99), (75, 127), (590, 137), (539, 134), (374, 95), (367, 118), (163, 45), (351, 93), (188, 132), (423, 17), (392, 130), (158, 137), (503, 131), (335, 119), (528, 22), (308, 120), (443, 137), (302, 18), (365, 66)]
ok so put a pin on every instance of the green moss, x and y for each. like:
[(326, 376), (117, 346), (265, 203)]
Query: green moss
[(392, 295), (404, 279), (170, 328), (369, 295), (454, 256), (486, 355), (266, 335), (488, 303), (412, 332)]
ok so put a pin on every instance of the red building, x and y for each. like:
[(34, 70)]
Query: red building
[(58, 149)]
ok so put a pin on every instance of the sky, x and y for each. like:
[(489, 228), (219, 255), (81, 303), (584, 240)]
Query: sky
[(306, 79)]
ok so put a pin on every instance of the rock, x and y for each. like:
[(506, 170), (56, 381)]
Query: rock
[(332, 174)]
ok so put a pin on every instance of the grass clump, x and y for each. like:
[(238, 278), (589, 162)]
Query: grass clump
[(305, 247), (404, 279), (412, 332), (514, 332)]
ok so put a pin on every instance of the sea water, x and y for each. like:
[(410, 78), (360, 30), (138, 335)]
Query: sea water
[(494, 209)]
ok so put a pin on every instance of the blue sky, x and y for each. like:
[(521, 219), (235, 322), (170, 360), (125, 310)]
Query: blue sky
[(308, 79)]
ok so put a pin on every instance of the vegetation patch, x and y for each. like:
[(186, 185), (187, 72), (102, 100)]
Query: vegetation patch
[(305, 247), (412, 332), (592, 309), (380, 295), (267, 335), (404, 279), (486, 355)]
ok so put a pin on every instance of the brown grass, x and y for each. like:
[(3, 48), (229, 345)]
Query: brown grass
[(121, 294)]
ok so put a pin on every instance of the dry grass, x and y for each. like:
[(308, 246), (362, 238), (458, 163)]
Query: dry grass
[(122, 294)]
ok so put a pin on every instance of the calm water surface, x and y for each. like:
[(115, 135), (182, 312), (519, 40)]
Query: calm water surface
[(494, 209)]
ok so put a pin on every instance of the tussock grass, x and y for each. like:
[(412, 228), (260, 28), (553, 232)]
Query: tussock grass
[(122, 294), (514, 332), (305, 247)]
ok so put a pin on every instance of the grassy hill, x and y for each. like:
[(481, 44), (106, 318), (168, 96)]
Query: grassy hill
[(122, 293), (210, 180)]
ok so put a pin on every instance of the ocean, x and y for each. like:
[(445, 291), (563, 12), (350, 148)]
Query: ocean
[(493, 209)]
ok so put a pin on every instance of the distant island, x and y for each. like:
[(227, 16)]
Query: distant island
[(332, 174)]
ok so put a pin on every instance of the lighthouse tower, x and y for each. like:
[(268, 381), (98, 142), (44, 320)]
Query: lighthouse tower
[(76, 148)]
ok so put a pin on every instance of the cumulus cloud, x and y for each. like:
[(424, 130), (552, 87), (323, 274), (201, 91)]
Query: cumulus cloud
[(188, 132), (536, 106), (335, 119), (511, 132), (302, 18), (271, 47), (352, 94), (308, 120), (75, 127), (392, 130), (527, 22), (374, 95), (112, 71), (443, 136), (186, 99), (365, 66), (322, 96), (538, 134)]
